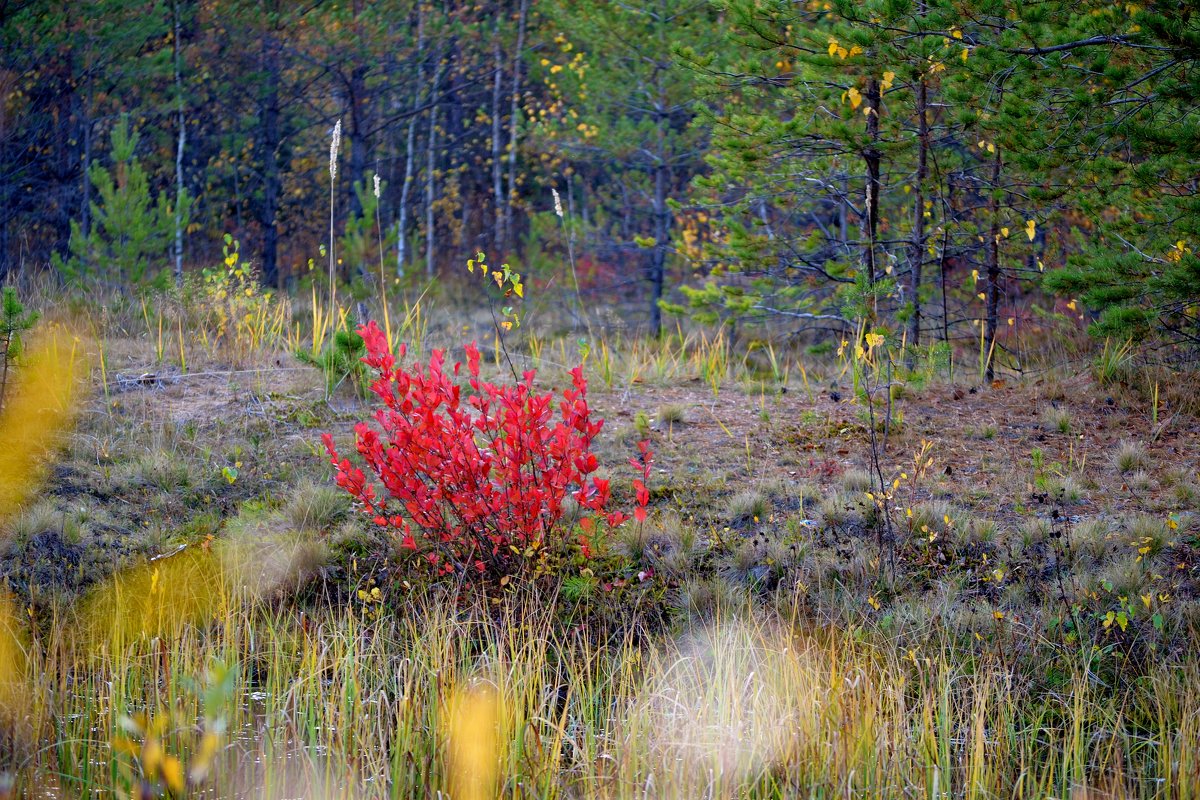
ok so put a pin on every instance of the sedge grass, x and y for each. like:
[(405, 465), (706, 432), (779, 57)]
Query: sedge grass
[(344, 702)]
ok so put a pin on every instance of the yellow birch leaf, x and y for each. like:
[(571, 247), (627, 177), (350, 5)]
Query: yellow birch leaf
[(1030, 229)]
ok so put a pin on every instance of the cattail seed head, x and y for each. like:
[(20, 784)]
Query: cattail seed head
[(334, 145), (377, 186)]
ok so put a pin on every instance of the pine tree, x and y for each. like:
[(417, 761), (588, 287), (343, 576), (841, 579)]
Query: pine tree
[(625, 115), (131, 229), (1138, 114), (14, 321), (814, 104)]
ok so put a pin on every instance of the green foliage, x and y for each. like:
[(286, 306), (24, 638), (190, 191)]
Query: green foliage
[(360, 247), (341, 362), (14, 321), (1138, 273), (131, 227)]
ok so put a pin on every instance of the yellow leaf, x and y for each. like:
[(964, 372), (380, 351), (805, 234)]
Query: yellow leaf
[(1146, 599), (1030, 229), (991, 148), (1071, 305), (519, 289), (474, 745), (1011, 321), (855, 50), (998, 614), (1004, 232), (964, 54), (833, 46), (956, 33), (855, 97), (975, 275), (152, 756), (874, 339), (888, 77), (172, 774)]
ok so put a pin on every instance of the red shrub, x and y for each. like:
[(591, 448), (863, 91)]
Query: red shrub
[(478, 482)]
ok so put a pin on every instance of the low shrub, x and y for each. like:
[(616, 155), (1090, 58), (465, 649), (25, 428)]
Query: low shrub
[(477, 478)]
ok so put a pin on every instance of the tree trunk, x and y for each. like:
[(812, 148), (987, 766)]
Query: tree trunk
[(5, 264), (917, 252), (269, 144), (993, 271), (357, 134), (497, 166), (874, 187), (410, 153), (658, 262), (430, 153), (514, 117), (178, 154), (85, 204)]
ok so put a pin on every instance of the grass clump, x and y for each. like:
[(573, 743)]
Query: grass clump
[(671, 414), (315, 506), (747, 506), (1057, 419), (856, 480), (1130, 456)]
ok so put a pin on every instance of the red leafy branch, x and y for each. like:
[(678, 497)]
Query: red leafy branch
[(477, 479)]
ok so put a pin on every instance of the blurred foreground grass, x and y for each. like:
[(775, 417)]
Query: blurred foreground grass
[(485, 703)]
